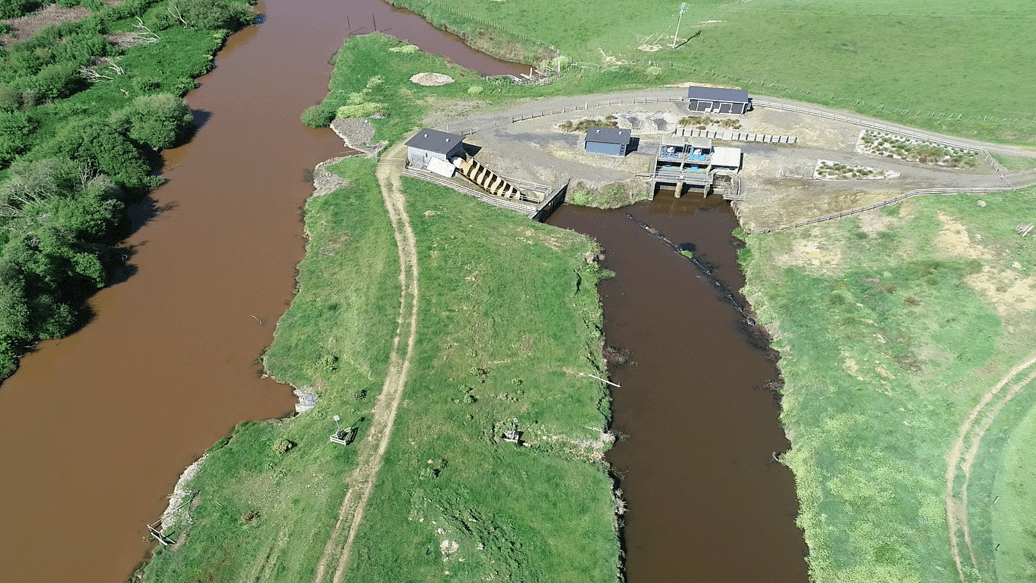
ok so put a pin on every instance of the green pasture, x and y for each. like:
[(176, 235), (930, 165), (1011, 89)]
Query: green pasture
[(953, 66), (889, 335)]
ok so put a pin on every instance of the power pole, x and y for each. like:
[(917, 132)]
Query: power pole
[(683, 8)]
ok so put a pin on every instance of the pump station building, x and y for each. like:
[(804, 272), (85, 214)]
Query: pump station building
[(429, 144), (609, 141)]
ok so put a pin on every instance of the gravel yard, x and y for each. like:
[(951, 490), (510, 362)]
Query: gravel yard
[(779, 180)]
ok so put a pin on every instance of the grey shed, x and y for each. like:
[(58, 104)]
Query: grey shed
[(609, 141), (429, 143), (716, 100)]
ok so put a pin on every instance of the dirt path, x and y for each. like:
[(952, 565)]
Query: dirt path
[(971, 432), (372, 449)]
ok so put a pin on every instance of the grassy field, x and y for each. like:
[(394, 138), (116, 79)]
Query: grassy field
[(950, 66), (890, 332), (509, 321), (509, 324)]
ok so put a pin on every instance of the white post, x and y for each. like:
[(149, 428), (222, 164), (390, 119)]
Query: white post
[(683, 7)]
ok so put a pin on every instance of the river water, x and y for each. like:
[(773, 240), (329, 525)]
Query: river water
[(697, 434), (97, 427)]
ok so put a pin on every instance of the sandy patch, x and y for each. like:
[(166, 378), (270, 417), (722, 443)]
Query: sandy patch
[(953, 239), (431, 79), (1008, 291), (812, 253), (649, 48)]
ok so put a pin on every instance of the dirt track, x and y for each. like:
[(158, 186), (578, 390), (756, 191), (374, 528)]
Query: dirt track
[(372, 448), (971, 433)]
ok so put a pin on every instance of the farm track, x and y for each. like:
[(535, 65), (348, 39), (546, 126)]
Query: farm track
[(970, 435), (372, 450)]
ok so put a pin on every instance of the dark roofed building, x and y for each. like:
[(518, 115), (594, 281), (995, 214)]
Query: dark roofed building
[(610, 141), (429, 143), (716, 100)]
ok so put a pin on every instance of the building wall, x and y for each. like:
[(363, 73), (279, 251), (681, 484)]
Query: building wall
[(419, 158), (717, 106), (607, 149)]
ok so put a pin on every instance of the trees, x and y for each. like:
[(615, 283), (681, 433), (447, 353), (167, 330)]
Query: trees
[(208, 14), (160, 121)]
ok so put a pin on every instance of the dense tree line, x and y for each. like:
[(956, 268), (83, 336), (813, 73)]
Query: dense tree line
[(79, 140)]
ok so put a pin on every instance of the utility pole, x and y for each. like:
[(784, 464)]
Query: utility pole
[(683, 8)]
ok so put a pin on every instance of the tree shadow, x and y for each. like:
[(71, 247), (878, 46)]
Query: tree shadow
[(140, 213), (201, 117), (689, 39)]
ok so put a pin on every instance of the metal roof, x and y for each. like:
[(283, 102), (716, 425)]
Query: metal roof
[(608, 135), (717, 94), (434, 141), (726, 157)]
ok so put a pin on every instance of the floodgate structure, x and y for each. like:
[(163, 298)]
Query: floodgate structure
[(680, 163)]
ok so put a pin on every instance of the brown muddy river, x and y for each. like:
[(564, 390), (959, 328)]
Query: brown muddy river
[(97, 427), (706, 503)]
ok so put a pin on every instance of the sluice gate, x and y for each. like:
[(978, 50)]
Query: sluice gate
[(491, 182)]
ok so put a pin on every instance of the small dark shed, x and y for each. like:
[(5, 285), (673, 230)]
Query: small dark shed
[(429, 143), (610, 141), (715, 100)]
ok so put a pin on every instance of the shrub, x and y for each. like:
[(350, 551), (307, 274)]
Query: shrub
[(283, 445), (15, 135), (57, 81), (183, 86), (160, 121), (359, 110), (475, 90), (317, 117), (16, 8), (9, 98), (207, 14), (92, 141)]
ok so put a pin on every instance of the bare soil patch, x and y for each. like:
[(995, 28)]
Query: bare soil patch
[(24, 27), (431, 79)]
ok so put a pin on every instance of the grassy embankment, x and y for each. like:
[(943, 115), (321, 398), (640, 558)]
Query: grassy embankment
[(944, 66), (890, 332), (508, 321)]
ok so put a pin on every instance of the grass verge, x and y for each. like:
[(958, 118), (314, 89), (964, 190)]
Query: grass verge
[(889, 335), (509, 319), (255, 504)]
